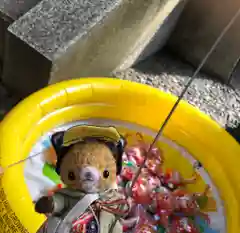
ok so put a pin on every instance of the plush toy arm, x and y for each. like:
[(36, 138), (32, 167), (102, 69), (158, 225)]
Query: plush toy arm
[(118, 228), (50, 204), (58, 203), (44, 205), (106, 219)]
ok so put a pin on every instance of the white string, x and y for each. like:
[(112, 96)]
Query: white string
[(96, 218), (224, 31), (213, 47), (3, 169)]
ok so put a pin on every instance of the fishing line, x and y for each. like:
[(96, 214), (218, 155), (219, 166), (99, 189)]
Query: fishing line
[(96, 218), (213, 47), (3, 169), (173, 109), (166, 121)]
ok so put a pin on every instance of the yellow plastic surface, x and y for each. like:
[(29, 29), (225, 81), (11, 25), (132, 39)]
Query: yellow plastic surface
[(118, 100)]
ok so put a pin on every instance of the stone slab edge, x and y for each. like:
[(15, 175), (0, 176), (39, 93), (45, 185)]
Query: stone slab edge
[(104, 48)]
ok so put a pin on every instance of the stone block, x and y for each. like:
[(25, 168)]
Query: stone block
[(152, 42), (83, 38), (200, 24), (10, 10), (26, 69)]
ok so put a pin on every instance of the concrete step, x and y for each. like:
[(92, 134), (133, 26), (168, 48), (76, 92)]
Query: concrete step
[(198, 27), (11, 10), (62, 39)]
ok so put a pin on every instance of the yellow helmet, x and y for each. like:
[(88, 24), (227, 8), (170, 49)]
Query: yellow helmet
[(63, 140)]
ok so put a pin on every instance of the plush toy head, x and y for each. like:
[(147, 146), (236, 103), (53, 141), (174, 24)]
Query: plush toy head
[(89, 167), (89, 157)]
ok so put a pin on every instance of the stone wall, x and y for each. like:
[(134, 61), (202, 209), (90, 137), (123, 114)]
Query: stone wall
[(11, 10), (198, 27), (61, 39)]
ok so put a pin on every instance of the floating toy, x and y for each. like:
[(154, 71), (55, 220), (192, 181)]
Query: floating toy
[(197, 133), (88, 160)]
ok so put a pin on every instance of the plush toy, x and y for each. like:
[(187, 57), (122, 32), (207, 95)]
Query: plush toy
[(89, 158)]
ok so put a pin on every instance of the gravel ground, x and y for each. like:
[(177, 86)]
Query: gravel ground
[(167, 73)]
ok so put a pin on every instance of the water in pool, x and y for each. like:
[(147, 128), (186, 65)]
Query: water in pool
[(41, 177)]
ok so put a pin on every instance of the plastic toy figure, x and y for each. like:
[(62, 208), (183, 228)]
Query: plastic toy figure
[(146, 228), (168, 203), (154, 165), (127, 173), (144, 189), (173, 179), (55, 189), (135, 154), (164, 203), (188, 203), (89, 159), (138, 150), (182, 225)]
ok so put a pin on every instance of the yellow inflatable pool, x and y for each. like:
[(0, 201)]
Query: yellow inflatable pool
[(106, 98)]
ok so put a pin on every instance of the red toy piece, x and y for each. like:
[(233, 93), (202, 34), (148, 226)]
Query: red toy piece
[(135, 154), (164, 206), (187, 203), (182, 225), (144, 219), (157, 154), (153, 181), (53, 190), (143, 190), (127, 173), (154, 165), (82, 224), (140, 193), (137, 218), (173, 179), (129, 223), (146, 228), (167, 203)]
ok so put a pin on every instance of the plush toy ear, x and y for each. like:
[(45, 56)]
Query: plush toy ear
[(120, 148), (118, 151), (57, 142)]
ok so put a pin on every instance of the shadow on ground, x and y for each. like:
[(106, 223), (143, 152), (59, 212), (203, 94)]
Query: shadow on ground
[(168, 73), (235, 132), (7, 101), (163, 63)]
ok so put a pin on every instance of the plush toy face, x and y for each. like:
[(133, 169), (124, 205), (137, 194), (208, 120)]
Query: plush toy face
[(89, 167)]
